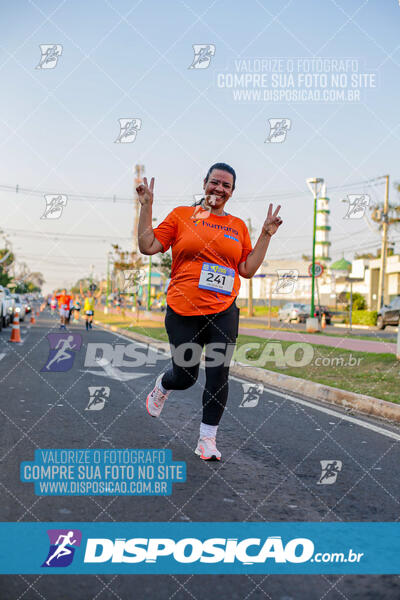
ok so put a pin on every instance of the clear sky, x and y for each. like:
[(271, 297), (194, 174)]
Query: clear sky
[(123, 59)]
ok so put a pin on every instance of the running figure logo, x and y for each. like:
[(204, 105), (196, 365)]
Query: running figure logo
[(62, 351), (251, 394), (50, 55), (62, 547), (98, 397), (128, 130), (54, 206), (278, 129), (202, 55), (330, 470), (130, 280), (357, 205), (287, 279)]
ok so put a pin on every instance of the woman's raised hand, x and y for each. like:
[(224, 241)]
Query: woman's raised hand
[(272, 222), (145, 192)]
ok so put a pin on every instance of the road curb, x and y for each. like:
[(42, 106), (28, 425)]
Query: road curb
[(367, 405)]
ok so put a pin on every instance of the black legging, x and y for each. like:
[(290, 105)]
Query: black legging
[(220, 328)]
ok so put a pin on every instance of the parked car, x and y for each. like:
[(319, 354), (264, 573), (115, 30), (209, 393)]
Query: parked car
[(19, 307), (389, 314), (291, 311), (7, 302), (27, 303), (320, 310)]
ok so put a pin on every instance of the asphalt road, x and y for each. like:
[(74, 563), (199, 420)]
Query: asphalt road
[(271, 465)]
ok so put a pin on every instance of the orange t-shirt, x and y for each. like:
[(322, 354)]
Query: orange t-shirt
[(219, 240), (63, 300)]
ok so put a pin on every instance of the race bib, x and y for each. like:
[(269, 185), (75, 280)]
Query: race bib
[(216, 278)]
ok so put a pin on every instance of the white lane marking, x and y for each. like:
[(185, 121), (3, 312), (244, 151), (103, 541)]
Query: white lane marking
[(328, 411), (2, 355)]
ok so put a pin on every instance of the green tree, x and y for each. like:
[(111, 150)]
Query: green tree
[(359, 302), (6, 260)]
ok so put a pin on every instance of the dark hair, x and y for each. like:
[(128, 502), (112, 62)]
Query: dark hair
[(221, 167)]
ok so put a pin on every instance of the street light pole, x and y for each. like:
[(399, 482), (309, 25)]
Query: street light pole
[(381, 285), (314, 185), (149, 285)]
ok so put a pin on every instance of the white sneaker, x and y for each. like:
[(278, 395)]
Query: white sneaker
[(207, 450), (156, 399)]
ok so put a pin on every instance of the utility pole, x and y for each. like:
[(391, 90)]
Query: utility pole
[(139, 170), (385, 218), (108, 282), (250, 298)]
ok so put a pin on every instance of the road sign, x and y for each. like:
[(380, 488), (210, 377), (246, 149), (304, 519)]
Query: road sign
[(318, 269)]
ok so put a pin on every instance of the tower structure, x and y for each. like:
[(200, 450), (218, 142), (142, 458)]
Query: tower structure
[(322, 243)]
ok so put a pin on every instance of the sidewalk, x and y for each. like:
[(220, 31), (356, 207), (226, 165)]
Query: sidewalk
[(323, 340)]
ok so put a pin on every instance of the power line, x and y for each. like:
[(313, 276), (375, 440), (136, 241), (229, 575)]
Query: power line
[(71, 236), (114, 199)]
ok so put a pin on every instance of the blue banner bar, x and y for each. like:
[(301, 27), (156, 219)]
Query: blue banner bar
[(214, 548)]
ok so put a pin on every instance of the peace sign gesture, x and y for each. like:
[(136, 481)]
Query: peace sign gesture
[(272, 222), (145, 192)]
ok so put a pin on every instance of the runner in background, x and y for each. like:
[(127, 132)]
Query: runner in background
[(76, 307), (210, 249), (70, 308), (89, 300), (63, 300), (53, 303)]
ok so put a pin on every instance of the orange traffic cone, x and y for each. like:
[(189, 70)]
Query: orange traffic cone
[(37, 313), (33, 320), (323, 321), (15, 332)]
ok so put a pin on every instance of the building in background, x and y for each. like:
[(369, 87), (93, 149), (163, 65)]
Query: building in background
[(333, 281)]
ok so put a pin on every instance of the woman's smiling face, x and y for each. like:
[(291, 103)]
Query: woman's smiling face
[(219, 185)]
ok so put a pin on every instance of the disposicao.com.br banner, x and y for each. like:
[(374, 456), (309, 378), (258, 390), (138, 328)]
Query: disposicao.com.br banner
[(199, 548)]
